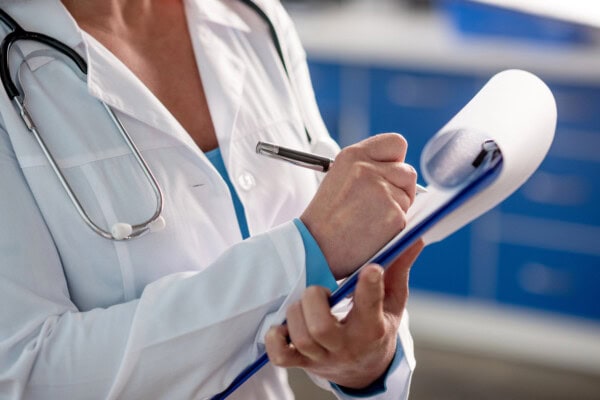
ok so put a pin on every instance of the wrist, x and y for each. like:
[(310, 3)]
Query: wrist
[(377, 386), (370, 374)]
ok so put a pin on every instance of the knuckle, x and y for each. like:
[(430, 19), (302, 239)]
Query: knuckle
[(294, 309), (312, 292), (399, 218), (349, 154), (304, 343), (410, 172), (363, 172), (320, 331), (378, 331)]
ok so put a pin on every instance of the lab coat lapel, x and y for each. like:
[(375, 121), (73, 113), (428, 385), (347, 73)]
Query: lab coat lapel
[(112, 82), (108, 78), (211, 24), (213, 27)]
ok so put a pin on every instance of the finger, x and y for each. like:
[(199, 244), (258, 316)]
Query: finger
[(402, 176), (367, 312), (322, 326), (396, 279), (402, 199), (397, 179), (386, 147), (300, 336), (280, 351)]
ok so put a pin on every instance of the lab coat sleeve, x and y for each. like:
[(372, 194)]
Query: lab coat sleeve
[(187, 336), (398, 380)]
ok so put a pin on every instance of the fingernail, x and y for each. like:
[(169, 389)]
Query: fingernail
[(375, 275)]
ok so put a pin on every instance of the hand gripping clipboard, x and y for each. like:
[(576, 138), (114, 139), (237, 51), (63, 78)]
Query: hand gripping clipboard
[(479, 158)]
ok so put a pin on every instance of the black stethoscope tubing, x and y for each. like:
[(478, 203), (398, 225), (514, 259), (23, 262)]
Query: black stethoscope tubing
[(119, 230), (18, 34)]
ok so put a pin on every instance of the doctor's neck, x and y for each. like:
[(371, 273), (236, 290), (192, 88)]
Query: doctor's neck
[(121, 16)]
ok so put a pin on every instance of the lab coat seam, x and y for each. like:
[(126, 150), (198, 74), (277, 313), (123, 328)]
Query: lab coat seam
[(36, 161), (121, 250)]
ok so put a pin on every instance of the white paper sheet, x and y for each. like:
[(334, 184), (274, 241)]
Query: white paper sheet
[(516, 110)]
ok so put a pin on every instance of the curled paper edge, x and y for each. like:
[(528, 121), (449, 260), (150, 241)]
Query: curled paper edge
[(518, 111)]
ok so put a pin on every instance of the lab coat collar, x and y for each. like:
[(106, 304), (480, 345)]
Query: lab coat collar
[(58, 23), (50, 17), (111, 81), (221, 69), (218, 12)]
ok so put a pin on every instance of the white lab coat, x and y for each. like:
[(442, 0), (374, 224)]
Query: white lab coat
[(175, 314)]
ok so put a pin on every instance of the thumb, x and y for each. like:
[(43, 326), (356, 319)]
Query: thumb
[(369, 295), (396, 279)]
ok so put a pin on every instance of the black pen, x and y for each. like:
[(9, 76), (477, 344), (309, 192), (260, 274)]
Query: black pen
[(301, 158)]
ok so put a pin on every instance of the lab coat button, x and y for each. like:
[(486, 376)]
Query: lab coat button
[(246, 181)]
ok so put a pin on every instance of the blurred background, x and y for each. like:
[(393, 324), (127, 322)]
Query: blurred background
[(508, 307)]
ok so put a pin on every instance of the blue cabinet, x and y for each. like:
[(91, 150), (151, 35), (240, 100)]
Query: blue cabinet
[(538, 249), (549, 279)]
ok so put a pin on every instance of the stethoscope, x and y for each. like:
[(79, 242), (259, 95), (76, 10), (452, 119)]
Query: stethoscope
[(123, 231), (120, 230)]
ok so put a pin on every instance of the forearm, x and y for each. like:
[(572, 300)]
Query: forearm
[(187, 335)]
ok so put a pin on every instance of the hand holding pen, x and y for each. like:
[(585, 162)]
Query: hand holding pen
[(302, 159), (361, 203)]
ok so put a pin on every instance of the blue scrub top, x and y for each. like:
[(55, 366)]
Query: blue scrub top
[(317, 269)]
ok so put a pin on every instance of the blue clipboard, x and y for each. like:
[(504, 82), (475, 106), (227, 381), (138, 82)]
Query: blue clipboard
[(487, 167)]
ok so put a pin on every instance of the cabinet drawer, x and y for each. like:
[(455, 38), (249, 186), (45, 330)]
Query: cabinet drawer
[(565, 190), (578, 105), (549, 280)]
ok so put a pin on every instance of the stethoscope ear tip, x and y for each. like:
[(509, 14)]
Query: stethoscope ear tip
[(124, 231), (158, 224), (121, 231)]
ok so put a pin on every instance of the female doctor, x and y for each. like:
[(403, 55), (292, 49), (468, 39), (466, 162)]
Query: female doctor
[(179, 312)]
